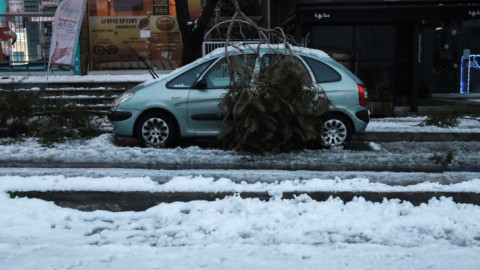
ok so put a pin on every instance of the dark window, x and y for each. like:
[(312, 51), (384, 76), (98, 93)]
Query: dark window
[(188, 78), (322, 72), (128, 5)]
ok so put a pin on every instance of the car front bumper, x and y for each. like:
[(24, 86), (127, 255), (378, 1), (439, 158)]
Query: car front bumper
[(114, 116), (123, 121)]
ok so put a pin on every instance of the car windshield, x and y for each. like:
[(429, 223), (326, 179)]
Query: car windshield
[(188, 78)]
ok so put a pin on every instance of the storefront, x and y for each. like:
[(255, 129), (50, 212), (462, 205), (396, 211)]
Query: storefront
[(406, 49), (123, 32), (115, 34)]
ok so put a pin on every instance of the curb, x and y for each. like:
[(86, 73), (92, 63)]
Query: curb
[(140, 201), (386, 136), (333, 166), (415, 136)]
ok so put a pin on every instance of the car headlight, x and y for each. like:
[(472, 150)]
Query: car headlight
[(121, 99)]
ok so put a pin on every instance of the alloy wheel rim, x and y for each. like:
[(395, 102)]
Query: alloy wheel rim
[(155, 131), (335, 133)]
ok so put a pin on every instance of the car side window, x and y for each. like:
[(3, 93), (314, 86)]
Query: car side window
[(219, 77), (269, 60), (322, 72), (188, 78)]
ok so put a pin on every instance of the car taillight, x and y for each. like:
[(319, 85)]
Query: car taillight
[(363, 95)]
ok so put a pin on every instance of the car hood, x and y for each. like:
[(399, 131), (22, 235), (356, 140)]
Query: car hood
[(145, 85)]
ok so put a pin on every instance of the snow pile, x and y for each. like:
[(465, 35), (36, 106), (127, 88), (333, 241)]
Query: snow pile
[(248, 221), (414, 124), (209, 184)]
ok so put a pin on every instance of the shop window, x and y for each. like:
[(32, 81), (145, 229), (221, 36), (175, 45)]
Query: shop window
[(31, 5), (127, 5)]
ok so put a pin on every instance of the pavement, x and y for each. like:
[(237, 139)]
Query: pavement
[(415, 137)]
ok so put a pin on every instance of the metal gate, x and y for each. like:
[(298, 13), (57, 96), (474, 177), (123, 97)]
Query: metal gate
[(25, 41)]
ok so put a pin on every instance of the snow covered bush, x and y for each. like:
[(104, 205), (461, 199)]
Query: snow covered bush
[(444, 118), (29, 113)]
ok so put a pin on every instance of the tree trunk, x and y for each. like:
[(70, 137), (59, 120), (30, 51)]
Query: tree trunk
[(192, 47), (192, 32)]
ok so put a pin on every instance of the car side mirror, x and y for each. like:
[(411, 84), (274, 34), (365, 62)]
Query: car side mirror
[(201, 84)]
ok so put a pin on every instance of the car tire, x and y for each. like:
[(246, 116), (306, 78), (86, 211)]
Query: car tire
[(157, 130), (337, 131)]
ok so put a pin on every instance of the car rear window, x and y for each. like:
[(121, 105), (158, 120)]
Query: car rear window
[(322, 72)]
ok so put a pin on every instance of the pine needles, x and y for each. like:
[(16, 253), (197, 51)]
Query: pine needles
[(278, 110)]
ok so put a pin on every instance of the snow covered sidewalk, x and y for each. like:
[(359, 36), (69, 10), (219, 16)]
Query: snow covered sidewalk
[(102, 152)]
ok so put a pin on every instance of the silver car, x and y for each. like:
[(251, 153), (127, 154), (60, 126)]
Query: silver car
[(185, 103)]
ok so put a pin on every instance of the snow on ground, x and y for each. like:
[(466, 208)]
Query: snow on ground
[(101, 151), (235, 233), (82, 79), (212, 185), (414, 124)]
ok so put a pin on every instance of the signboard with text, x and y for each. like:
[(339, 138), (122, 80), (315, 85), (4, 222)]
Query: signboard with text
[(161, 7), (66, 28), (119, 39)]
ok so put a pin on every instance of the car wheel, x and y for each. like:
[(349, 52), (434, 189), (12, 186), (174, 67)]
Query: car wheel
[(157, 130), (336, 131)]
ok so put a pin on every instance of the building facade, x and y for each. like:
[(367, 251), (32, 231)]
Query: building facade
[(115, 34), (403, 49), (406, 49)]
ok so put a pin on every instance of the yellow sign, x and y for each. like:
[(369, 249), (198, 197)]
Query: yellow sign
[(119, 39)]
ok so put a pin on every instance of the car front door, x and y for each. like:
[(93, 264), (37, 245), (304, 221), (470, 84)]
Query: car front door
[(204, 116)]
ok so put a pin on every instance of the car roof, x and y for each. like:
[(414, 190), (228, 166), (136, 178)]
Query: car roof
[(263, 48), (252, 48)]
